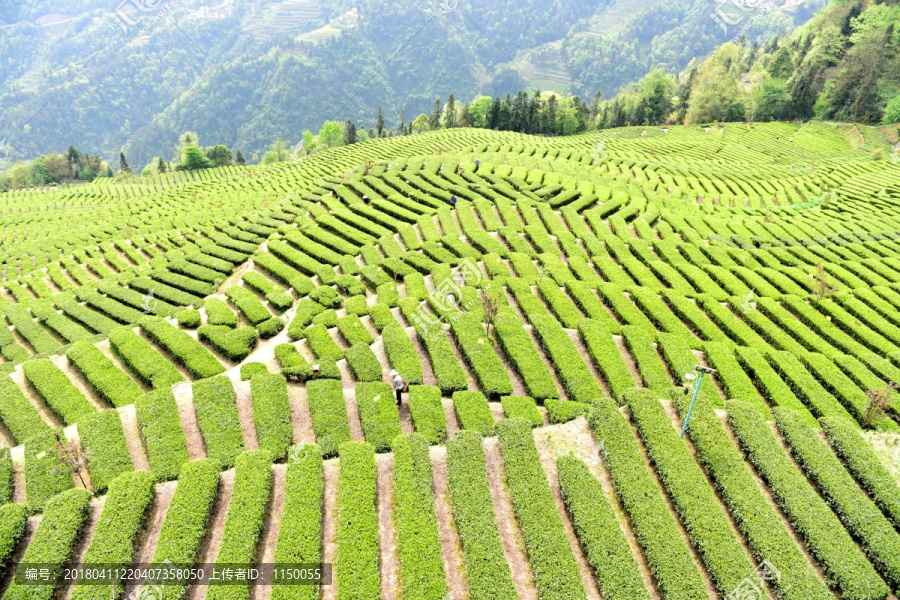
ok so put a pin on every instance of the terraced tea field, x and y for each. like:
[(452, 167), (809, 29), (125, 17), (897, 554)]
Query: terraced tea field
[(194, 369)]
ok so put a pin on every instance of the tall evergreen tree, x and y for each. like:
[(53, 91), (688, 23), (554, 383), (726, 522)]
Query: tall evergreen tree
[(435, 119), (379, 124), (350, 132), (402, 128), (123, 164), (494, 116), (239, 158), (450, 112)]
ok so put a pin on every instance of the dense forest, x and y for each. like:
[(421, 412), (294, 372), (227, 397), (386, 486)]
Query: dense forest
[(246, 72)]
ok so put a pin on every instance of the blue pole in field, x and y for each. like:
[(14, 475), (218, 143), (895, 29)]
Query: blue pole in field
[(691, 409)]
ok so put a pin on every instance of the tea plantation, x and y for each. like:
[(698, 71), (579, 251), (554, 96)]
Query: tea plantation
[(195, 369)]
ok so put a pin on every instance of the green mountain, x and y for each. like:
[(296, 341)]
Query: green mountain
[(243, 72)]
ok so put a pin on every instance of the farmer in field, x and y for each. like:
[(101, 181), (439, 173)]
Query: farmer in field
[(453, 201), (398, 384)]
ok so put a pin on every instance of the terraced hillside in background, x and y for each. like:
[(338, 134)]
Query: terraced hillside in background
[(166, 331)]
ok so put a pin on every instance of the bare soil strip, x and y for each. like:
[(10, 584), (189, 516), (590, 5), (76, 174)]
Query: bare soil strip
[(347, 379), (582, 443), (387, 533), (133, 438), (184, 400), (82, 479), (723, 417), (107, 350), (271, 527), (330, 473), (497, 411), (148, 537), (450, 416), (560, 388), (216, 528), (301, 418), (30, 527), (78, 380), (245, 414), (629, 361), (710, 588), (50, 418), (673, 416), (505, 516), (470, 378), (451, 546), (582, 350), (428, 377), (17, 455), (356, 430), (87, 532), (549, 451)]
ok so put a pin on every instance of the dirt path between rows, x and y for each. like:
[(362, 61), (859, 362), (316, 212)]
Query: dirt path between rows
[(184, 400), (216, 528), (428, 377), (301, 418), (585, 355), (135, 444), (451, 546), (549, 450), (271, 527), (798, 541), (17, 455), (145, 545), (78, 380), (450, 417), (84, 540), (82, 479), (50, 418), (30, 527), (505, 517), (701, 569), (387, 532), (331, 476), (629, 361), (245, 414), (582, 443), (356, 430)]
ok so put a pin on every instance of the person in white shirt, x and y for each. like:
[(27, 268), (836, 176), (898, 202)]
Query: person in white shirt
[(398, 385)]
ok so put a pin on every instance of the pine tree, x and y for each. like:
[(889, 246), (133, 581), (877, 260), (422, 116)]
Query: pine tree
[(161, 167), (435, 119), (379, 124), (350, 131), (450, 112), (494, 118), (239, 158), (402, 128), (123, 164)]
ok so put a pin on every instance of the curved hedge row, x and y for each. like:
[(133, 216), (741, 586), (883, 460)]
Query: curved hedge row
[(487, 570), (863, 464), (811, 517)]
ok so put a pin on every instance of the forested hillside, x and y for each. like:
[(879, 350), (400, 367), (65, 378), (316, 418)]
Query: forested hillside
[(243, 73)]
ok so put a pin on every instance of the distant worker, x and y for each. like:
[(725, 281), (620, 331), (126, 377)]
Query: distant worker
[(459, 168), (398, 384), (477, 164), (334, 193), (365, 199), (453, 201)]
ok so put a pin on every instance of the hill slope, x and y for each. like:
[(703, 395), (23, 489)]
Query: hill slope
[(245, 73)]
